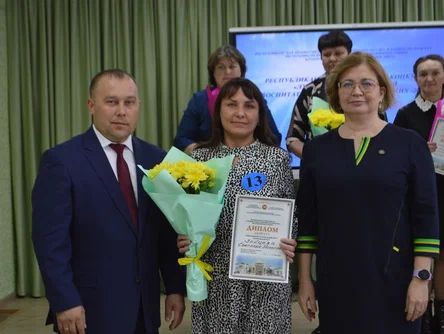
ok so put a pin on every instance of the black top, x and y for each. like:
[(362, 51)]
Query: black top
[(412, 117), (366, 223), (418, 116)]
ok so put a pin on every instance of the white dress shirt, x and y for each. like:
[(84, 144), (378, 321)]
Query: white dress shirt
[(128, 155)]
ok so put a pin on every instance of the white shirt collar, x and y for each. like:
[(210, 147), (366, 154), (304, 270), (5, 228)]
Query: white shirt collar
[(104, 142), (424, 105)]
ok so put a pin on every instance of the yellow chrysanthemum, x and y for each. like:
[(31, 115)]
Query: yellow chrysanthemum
[(326, 118), (153, 172), (194, 179), (192, 176), (177, 170)]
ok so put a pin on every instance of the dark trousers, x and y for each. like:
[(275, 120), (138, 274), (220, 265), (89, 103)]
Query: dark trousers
[(140, 325)]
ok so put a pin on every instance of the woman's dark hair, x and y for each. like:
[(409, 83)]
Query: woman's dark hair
[(250, 90), (420, 60), (333, 39), (226, 51)]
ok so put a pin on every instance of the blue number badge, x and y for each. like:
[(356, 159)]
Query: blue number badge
[(254, 181)]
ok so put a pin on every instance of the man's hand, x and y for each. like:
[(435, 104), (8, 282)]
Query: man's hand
[(72, 321), (174, 309), (417, 299)]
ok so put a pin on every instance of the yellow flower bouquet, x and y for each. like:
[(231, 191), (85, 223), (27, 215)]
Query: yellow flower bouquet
[(190, 194), (192, 176), (322, 118)]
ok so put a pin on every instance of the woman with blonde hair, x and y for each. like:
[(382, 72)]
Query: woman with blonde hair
[(367, 208)]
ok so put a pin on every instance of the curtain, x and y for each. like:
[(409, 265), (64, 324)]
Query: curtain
[(54, 47)]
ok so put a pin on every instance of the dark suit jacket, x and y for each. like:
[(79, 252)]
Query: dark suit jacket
[(88, 251)]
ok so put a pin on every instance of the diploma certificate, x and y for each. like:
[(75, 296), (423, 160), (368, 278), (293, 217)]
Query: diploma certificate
[(437, 136), (259, 224)]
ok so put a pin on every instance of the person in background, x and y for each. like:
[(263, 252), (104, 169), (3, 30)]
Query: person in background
[(240, 127), (418, 116), (333, 47), (99, 240), (225, 63), (367, 208)]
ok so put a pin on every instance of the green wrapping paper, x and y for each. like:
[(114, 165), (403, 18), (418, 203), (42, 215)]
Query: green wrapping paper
[(194, 215)]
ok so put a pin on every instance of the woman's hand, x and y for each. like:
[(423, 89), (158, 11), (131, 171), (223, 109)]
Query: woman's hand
[(189, 149), (417, 299), (183, 243), (307, 299), (432, 146), (288, 246)]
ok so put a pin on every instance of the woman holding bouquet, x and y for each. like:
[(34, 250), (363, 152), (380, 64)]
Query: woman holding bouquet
[(224, 64), (333, 47), (367, 208), (240, 128), (419, 116)]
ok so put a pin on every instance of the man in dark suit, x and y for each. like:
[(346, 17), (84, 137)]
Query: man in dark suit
[(99, 240)]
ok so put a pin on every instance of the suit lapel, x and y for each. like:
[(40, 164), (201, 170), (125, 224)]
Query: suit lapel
[(99, 162)]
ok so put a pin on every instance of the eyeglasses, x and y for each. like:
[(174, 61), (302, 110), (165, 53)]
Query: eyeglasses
[(223, 68), (365, 85)]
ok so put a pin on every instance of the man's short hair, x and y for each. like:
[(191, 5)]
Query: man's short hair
[(113, 72)]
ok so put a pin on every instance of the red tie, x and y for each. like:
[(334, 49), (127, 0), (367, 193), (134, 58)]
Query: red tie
[(125, 182)]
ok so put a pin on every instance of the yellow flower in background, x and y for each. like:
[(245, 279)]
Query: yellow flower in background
[(193, 176), (326, 118), (337, 120)]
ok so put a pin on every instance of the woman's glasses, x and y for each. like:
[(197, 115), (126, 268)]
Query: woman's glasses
[(365, 85), (224, 67)]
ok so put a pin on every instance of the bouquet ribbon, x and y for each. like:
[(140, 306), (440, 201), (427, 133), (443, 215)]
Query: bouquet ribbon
[(204, 267)]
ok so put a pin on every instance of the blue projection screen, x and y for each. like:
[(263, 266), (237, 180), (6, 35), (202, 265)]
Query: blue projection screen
[(281, 60)]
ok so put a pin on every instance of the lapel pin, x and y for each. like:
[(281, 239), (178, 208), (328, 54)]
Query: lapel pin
[(381, 151)]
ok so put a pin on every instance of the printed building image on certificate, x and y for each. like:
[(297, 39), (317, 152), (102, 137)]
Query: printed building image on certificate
[(438, 163), (245, 265)]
